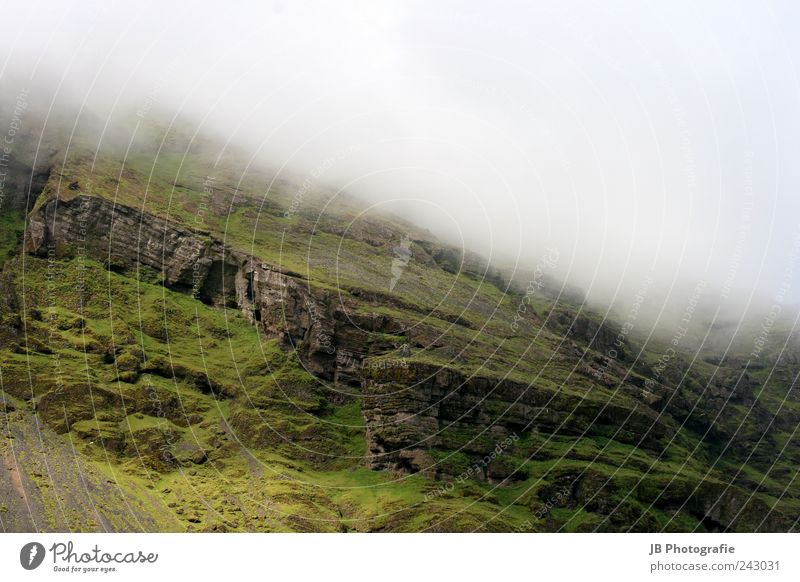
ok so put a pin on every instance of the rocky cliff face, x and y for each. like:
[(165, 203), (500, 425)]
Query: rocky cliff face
[(418, 416), (331, 338), (123, 238), (410, 409), (407, 408)]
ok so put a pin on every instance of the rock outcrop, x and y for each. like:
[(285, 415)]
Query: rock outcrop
[(403, 416), (408, 409), (411, 409)]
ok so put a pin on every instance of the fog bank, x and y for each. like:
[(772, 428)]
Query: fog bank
[(653, 145)]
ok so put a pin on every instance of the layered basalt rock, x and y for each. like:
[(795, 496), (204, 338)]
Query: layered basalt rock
[(124, 238), (408, 410), (331, 337)]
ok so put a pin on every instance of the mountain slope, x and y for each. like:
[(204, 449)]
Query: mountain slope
[(263, 355)]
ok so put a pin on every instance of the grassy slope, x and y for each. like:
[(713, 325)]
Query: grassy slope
[(137, 350)]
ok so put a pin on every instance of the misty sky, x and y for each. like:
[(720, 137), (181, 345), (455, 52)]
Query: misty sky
[(634, 137)]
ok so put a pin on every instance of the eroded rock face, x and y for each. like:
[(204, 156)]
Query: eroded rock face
[(411, 409), (283, 305), (124, 238), (408, 409)]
